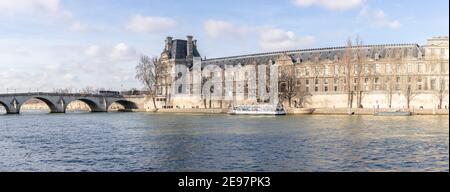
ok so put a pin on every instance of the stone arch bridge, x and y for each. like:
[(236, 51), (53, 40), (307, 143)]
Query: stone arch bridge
[(58, 102)]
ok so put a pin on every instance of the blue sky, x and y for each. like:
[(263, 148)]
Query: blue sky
[(47, 44)]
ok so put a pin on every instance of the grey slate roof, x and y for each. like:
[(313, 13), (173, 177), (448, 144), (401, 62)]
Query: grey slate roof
[(179, 50), (332, 53)]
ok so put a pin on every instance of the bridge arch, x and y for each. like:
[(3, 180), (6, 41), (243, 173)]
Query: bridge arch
[(4, 106), (52, 105), (93, 106), (127, 105)]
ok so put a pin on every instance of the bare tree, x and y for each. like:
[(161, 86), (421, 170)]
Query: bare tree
[(391, 80), (347, 62), (88, 90), (205, 95), (148, 72), (390, 89), (359, 62), (302, 95), (64, 90), (409, 95), (441, 92), (288, 89)]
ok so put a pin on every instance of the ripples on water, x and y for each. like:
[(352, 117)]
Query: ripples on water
[(176, 142)]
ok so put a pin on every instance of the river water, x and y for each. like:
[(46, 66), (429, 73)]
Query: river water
[(179, 142)]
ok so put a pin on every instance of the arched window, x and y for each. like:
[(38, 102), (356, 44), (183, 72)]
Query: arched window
[(179, 75), (283, 87)]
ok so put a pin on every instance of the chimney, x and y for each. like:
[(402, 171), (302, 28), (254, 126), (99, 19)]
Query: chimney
[(169, 42), (190, 47)]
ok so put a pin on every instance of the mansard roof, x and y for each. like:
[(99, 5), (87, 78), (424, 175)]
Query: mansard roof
[(179, 50), (332, 53)]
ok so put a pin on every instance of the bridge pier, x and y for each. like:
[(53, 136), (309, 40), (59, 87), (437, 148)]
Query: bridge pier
[(12, 112), (11, 109), (99, 111)]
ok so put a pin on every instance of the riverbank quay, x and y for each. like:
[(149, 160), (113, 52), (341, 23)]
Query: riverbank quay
[(207, 111), (320, 111), (344, 111)]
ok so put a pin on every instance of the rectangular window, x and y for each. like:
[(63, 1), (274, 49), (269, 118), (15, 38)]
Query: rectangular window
[(336, 81), (298, 72), (388, 69), (336, 69), (307, 71), (377, 68), (398, 79), (327, 70), (335, 88), (316, 70), (433, 84), (366, 69), (419, 87), (316, 89), (355, 68), (307, 82), (366, 80), (326, 88), (299, 82), (377, 87), (409, 79), (399, 68), (377, 80), (317, 81), (409, 68), (307, 89)]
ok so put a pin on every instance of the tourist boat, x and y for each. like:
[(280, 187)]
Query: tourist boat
[(393, 113), (257, 110)]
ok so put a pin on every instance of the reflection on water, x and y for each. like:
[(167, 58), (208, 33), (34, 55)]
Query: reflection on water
[(177, 142)]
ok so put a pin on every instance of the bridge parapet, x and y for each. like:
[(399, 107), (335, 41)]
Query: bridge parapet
[(61, 94)]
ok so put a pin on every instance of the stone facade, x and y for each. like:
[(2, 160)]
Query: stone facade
[(364, 76)]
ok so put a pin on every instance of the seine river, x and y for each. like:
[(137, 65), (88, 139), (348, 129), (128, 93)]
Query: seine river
[(177, 142)]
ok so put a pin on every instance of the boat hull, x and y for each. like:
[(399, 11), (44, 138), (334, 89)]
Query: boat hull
[(393, 114), (256, 113)]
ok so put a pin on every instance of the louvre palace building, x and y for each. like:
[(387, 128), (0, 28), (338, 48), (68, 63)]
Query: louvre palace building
[(352, 76)]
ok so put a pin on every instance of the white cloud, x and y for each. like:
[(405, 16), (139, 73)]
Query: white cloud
[(34, 7), (378, 18), (119, 51), (122, 51), (278, 39), (79, 27), (267, 38), (70, 77), (93, 51), (220, 29), (47, 66), (142, 24), (330, 4)]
